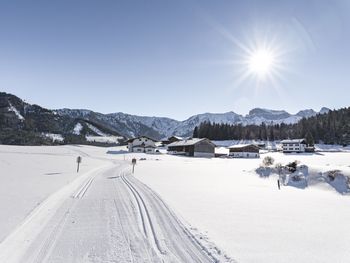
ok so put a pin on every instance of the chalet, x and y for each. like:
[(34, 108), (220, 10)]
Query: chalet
[(142, 144), (171, 140), (295, 145), (244, 151), (193, 147)]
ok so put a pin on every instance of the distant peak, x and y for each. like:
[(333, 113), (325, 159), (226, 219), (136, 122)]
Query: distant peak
[(306, 113), (324, 110), (260, 110)]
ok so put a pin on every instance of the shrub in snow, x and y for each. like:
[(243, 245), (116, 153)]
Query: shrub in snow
[(264, 171), (268, 161), (292, 167), (331, 175)]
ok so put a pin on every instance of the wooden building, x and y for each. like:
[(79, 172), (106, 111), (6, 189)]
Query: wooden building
[(193, 147), (244, 151), (171, 140), (142, 144)]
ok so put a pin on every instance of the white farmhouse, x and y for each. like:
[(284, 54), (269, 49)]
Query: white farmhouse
[(295, 145), (142, 144)]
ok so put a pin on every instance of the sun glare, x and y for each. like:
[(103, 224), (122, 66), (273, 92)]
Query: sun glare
[(261, 62)]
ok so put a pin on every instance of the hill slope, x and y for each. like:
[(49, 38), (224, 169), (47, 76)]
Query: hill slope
[(26, 124)]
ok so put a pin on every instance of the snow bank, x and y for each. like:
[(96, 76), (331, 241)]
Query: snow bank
[(54, 137), (104, 139)]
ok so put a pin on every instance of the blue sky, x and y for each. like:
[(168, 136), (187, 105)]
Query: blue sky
[(174, 58)]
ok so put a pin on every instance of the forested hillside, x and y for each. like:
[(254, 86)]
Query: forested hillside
[(22, 123), (331, 128)]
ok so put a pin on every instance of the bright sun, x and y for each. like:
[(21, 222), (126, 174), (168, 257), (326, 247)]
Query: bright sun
[(261, 62)]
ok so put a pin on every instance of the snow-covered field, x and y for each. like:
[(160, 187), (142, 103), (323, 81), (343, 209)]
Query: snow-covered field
[(101, 215), (247, 216), (30, 174), (243, 214)]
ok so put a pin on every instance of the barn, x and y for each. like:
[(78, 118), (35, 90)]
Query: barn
[(193, 147), (244, 151)]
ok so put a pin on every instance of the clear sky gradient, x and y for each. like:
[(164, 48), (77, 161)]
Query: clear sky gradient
[(174, 58)]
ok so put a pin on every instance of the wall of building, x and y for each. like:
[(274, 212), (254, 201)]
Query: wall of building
[(133, 146), (204, 154), (249, 149), (293, 147), (244, 155), (204, 147)]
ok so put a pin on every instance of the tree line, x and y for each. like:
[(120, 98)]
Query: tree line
[(330, 128)]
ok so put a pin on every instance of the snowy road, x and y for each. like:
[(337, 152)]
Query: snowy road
[(105, 216)]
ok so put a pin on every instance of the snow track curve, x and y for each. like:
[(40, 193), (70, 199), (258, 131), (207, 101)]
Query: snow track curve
[(109, 217)]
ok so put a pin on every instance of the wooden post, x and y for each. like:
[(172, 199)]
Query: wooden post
[(78, 163), (133, 162)]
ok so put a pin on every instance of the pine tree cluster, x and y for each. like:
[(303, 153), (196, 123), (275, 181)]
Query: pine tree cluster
[(330, 128)]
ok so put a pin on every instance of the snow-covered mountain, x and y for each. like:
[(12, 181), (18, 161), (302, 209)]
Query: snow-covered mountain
[(160, 127), (21, 122)]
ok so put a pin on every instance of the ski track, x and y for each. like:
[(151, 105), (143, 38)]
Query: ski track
[(110, 217)]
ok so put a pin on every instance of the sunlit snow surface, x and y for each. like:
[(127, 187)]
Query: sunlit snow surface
[(245, 215)]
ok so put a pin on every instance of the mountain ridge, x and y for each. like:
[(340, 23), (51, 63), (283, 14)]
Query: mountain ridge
[(17, 116), (160, 127)]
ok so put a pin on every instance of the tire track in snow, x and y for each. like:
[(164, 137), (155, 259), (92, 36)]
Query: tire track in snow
[(127, 239), (213, 252), (47, 245), (179, 240), (147, 215), (81, 192)]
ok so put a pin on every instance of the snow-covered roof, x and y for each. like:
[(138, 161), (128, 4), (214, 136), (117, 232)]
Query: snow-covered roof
[(293, 141), (177, 137), (189, 142), (242, 146), (132, 139)]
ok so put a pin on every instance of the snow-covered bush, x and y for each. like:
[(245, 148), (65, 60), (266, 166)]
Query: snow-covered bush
[(263, 171), (338, 181), (268, 161), (331, 175), (292, 167)]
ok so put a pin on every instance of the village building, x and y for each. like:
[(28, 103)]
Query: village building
[(171, 139), (244, 151), (142, 144), (295, 145), (193, 147)]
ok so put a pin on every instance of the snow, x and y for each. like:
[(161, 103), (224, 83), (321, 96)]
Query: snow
[(104, 139), (30, 174), (96, 130), (54, 137), (77, 128), (18, 114), (126, 220), (47, 207), (247, 216)]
